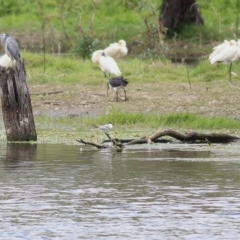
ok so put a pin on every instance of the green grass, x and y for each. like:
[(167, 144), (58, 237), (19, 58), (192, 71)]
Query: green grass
[(141, 121), (68, 69), (127, 125), (113, 20), (64, 69), (181, 120)]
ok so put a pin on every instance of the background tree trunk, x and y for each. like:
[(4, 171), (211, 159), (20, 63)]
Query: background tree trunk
[(176, 13), (16, 104)]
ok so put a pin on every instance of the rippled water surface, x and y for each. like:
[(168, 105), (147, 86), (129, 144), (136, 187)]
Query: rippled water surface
[(150, 192)]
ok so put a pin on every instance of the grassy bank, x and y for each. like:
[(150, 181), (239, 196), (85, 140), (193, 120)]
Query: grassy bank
[(128, 125), (68, 28), (148, 121), (68, 73)]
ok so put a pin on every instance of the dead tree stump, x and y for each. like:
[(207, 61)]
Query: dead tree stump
[(16, 104), (174, 14)]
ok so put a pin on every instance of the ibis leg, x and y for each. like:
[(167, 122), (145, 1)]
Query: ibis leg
[(107, 88), (125, 94), (117, 95), (106, 75), (230, 73)]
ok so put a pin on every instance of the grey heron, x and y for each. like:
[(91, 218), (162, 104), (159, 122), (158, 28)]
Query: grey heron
[(10, 46)]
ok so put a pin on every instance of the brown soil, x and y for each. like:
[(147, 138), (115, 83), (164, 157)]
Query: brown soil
[(217, 98)]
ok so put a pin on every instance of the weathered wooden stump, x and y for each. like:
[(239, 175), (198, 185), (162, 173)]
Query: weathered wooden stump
[(16, 104)]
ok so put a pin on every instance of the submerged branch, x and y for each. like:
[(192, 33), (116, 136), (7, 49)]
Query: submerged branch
[(92, 144), (116, 142)]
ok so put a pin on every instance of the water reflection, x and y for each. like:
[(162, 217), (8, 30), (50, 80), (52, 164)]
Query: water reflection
[(167, 154), (17, 153), (156, 192)]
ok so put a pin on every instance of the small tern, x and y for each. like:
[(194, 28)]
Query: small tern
[(104, 128)]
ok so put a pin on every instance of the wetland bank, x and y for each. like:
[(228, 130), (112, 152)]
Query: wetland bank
[(72, 94), (68, 91), (155, 90)]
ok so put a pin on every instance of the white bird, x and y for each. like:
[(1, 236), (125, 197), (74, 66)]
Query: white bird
[(117, 83), (104, 128), (221, 47), (95, 56), (6, 61), (117, 50), (106, 63), (229, 54)]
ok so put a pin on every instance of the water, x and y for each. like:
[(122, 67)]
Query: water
[(163, 191)]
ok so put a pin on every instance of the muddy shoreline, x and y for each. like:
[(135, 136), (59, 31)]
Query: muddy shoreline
[(217, 98)]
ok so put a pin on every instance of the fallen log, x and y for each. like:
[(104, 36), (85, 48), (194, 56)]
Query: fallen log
[(192, 137)]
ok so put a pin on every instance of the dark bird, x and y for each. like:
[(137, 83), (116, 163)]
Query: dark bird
[(117, 83)]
